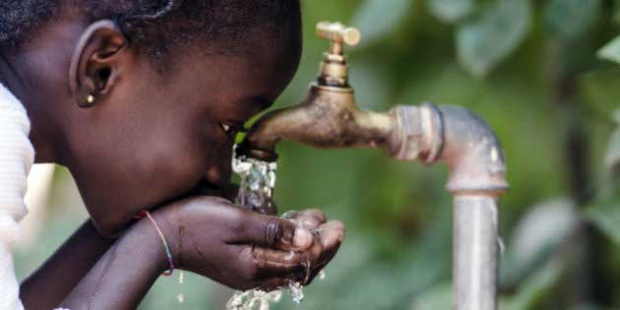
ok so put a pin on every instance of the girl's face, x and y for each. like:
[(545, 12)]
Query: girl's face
[(154, 136)]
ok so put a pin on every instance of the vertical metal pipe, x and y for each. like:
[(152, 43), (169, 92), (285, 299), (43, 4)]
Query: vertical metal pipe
[(477, 177), (475, 249)]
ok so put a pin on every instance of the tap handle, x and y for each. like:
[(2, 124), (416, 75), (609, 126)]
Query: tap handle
[(338, 33)]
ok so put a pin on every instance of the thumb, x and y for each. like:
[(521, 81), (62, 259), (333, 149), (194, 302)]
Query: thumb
[(274, 232)]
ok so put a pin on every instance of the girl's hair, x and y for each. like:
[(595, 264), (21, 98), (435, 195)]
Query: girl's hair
[(154, 26)]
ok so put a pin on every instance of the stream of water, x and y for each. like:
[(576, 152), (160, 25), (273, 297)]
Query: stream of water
[(258, 179)]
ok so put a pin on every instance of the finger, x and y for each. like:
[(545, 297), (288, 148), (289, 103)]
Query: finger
[(272, 263), (290, 214), (309, 219), (329, 234), (328, 238), (315, 213), (273, 232)]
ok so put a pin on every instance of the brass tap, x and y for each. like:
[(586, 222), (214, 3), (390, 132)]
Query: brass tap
[(329, 116)]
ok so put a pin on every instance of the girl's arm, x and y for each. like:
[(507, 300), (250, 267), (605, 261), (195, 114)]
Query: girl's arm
[(211, 237), (123, 275), (53, 281)]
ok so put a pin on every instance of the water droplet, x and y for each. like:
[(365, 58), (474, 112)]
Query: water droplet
[(297, 292), (501, 246)]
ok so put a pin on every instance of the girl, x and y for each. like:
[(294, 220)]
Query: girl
[(141, 100)]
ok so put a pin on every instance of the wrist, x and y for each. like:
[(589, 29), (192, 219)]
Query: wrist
[(145, 233), (130, 267)]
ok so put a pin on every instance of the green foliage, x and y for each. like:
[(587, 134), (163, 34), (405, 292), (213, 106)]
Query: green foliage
[(606, 216), (611, 51), (605, 211), (486, 40), (377, 18), (571, 19), (536, 288), (450, 11)]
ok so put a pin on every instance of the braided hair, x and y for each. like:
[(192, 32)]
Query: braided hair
[(153, 26)]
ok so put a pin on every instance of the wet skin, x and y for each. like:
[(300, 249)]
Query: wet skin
[(148, 138)]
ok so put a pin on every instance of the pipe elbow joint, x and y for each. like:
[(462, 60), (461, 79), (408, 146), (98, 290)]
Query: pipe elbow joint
[(472, 152), (456, 136)]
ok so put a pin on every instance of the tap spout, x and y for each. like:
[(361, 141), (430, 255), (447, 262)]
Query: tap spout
[(327, 118)]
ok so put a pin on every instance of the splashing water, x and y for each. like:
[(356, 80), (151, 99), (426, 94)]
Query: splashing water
[(296, 290), (252, 299), (258, 178)]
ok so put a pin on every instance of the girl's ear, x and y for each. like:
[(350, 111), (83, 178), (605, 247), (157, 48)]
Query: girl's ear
[(95, 62)]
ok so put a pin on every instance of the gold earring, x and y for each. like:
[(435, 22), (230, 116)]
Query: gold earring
[(88, 102)]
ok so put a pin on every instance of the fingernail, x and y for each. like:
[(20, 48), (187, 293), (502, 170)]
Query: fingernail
[(303, 238)]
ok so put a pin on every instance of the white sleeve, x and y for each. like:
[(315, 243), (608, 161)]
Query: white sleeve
[(16, 158)]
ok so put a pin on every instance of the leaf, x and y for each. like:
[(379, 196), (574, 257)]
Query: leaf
[(571, 19), (450, 11), (487, 40), (605, 215), (611, 51), (377, 18), (536, 287), (537, 235)]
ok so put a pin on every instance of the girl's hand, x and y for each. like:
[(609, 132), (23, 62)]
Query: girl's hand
[(242, 249)]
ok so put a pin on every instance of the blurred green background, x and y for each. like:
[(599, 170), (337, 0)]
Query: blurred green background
[(530, 68)]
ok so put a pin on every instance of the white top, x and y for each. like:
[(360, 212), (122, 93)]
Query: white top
[(16, 158)]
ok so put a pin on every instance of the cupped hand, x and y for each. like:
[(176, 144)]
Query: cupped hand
[(323, 235), (242, 249)]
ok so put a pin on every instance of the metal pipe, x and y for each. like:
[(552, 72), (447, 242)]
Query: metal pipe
[(475, 158), (475, 252), (477, 177)]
